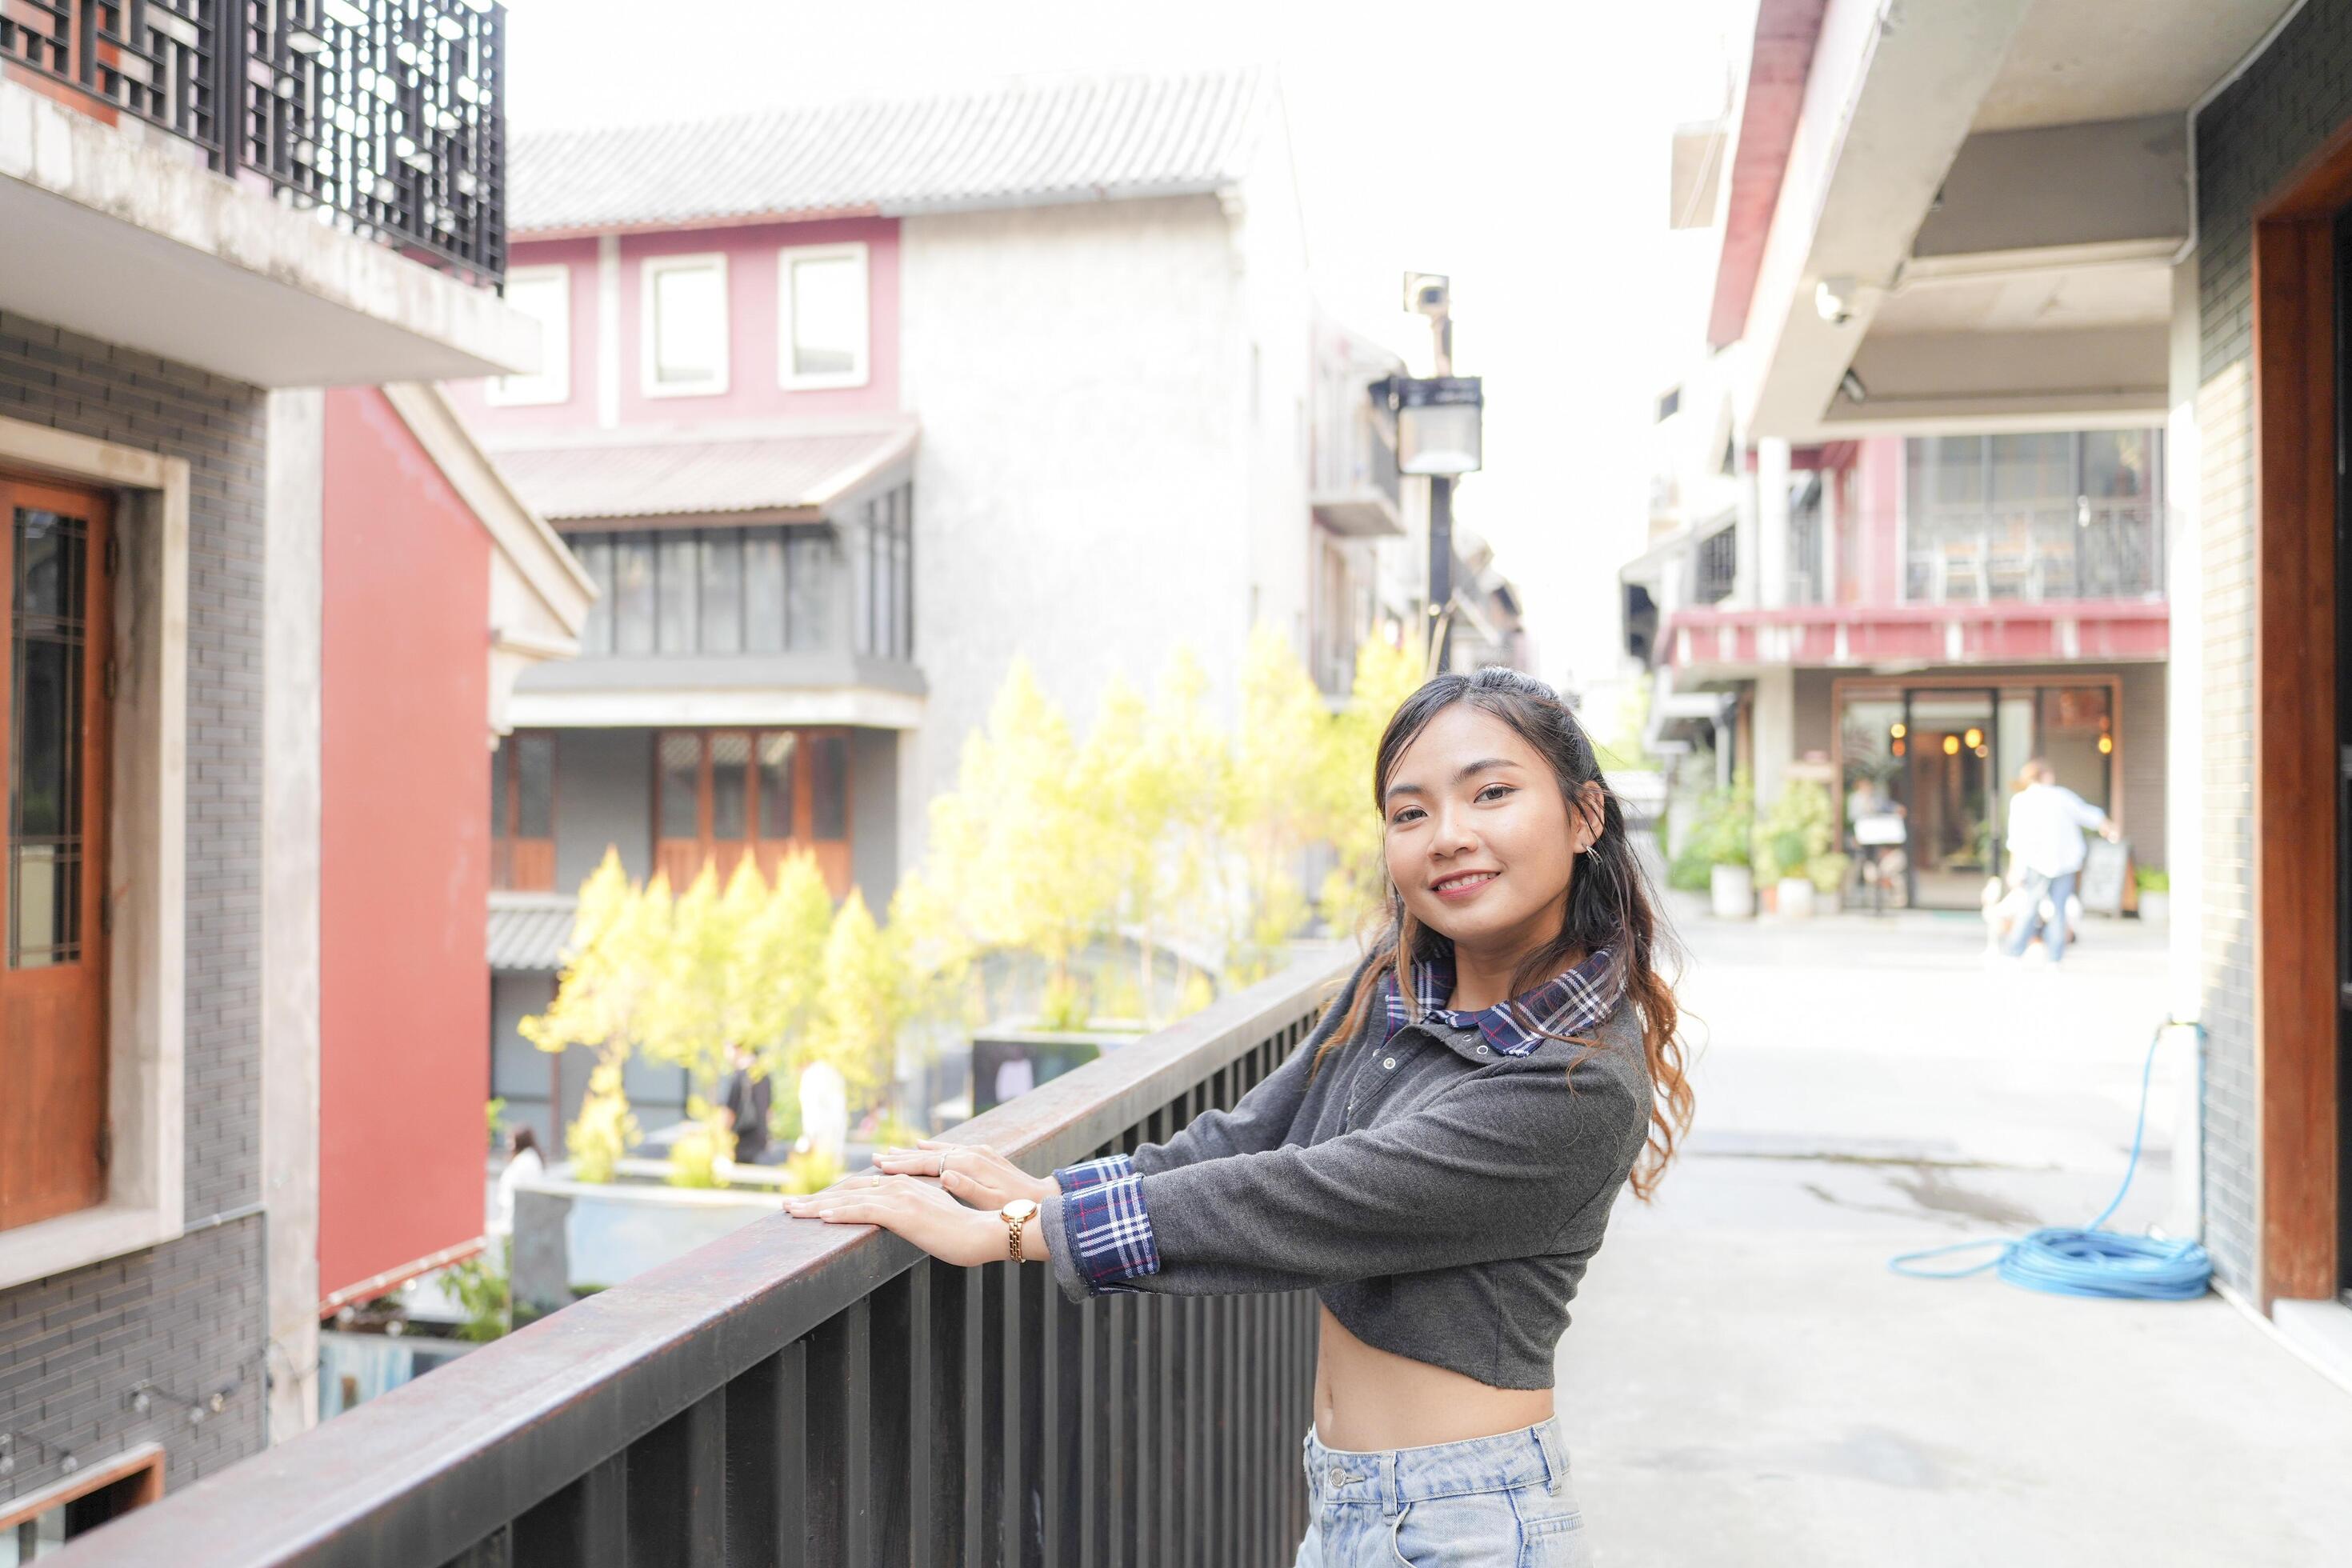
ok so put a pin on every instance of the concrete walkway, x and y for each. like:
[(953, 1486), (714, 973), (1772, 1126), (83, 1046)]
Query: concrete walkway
[(1745, 1382)]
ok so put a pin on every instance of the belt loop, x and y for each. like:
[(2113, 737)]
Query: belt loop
[(1391, 1485), (1554, 1452)]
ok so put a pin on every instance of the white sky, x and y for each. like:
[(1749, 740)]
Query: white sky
[(1522, 149)]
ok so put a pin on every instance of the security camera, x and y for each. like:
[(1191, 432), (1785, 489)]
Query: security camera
[(1833, 297), (1427, 293)]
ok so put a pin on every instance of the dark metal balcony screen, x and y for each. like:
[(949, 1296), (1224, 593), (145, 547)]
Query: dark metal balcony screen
[(1716, 570), (388, 113), (799, 1395)]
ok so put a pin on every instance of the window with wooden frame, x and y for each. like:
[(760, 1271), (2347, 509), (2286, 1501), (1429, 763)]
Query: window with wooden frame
[(37, 1523), (56, 554), (721, 794), (522, 813)]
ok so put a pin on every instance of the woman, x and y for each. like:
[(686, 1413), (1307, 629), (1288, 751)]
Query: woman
[(1437, 1162), (524, 1163)]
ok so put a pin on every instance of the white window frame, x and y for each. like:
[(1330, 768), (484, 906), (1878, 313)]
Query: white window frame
[(146, 1009), (649, 322), (854, 250), (552, 383)]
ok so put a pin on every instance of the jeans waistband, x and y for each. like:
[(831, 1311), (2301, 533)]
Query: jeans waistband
[(1397, 1477)]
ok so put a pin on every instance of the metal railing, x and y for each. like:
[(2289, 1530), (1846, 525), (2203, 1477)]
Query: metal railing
[(1355, 451), (388, 113), (1714, 567), (2083, 548), (798, 1394)]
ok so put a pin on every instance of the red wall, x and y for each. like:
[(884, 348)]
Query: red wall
[(404, 1004)]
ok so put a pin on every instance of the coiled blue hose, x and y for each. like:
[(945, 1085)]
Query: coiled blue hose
[(2090, 1261)]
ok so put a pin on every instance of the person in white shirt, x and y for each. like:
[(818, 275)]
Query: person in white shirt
[(2046, 835), (524, 1165)]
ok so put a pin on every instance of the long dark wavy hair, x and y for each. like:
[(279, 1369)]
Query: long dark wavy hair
[(1608, 906)]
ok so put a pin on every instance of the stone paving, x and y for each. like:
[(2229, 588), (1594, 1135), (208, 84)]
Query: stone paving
[(1745, 1382)]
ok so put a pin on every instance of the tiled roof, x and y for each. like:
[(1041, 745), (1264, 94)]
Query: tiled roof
[(685, 477), (1026, 142), (527, 932)]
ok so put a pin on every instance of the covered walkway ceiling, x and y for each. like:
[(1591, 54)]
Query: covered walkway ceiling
[(1978, 212)]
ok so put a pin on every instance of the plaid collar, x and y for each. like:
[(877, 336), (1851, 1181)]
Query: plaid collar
[(1572, 1003)]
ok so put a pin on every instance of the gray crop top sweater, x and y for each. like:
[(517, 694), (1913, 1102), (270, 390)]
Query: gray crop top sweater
[(1439, 1185)]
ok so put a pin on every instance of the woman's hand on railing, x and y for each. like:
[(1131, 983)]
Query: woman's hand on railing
[(920, 1213), (979, 1175)]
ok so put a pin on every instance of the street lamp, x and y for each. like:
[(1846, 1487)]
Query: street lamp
[(1439, 436), (1438, 425)]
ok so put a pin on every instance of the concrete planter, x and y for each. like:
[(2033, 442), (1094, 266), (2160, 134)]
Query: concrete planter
[(570, 1237), (1685, 906), (2155, 908), (1794, 898), (1042, 1055), (1733, 890)]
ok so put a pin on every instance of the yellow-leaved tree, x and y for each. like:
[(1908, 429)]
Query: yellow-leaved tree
[(1014, 861), (614, 969), (1123, 802), (1273, 811), (1353, 891), (1192, 760), (860, 1002)]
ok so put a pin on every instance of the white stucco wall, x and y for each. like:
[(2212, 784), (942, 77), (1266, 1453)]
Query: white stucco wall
[(1094, 489)]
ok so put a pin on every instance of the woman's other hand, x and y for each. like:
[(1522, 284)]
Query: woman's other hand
[(979, 1175), (917, 1211)]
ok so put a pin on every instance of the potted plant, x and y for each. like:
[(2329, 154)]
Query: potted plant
[(2155, 895), (1828, 874), (1793, 835), (1713, 854), (1784, 868)]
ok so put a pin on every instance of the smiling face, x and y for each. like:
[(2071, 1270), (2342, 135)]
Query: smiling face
[(1480, 842)]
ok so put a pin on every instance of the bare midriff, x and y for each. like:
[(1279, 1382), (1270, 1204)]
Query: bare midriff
[(1368, 1400)]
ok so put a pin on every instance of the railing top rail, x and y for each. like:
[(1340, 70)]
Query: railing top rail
[(423, 1472)]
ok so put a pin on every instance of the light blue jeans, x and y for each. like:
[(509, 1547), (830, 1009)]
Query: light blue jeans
[(1490, 1502), (2059, 890)]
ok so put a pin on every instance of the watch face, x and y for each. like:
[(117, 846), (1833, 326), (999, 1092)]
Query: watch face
[(1019, 1208)]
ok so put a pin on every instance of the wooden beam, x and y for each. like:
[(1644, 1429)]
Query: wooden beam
[(2296, 863)]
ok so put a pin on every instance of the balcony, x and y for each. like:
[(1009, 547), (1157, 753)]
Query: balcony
[(2083, 548), (384, 112), (164, 167), (1356, 490), (796, 1393)]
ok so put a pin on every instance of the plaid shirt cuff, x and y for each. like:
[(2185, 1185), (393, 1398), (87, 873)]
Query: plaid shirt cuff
[(1107, 1232), (1093, 1173)]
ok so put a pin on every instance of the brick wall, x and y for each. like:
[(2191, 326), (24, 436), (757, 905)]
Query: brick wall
[(2247, 140), (2141, 773), (189, 1315)]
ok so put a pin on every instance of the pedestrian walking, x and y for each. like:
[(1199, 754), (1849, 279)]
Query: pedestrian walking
[(747, 1099), (524, 1163), (1436, 1161), (2046, 821)]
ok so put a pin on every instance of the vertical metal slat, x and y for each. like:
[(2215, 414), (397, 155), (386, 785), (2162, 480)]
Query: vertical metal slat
[(585, 1525), (767, 1461), (677, 1488), (900, 1322), (840, 1428), (1013, 1504), (1090, 1475)]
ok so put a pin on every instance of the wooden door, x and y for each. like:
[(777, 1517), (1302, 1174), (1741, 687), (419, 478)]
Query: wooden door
[(55, 563)]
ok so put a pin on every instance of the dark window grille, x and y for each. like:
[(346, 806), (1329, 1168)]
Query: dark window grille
[(883, 559), (389, 113), (1718, 567), (763, 589), (46, 605)]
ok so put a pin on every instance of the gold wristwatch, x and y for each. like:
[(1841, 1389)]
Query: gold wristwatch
[(1015, 1215)]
